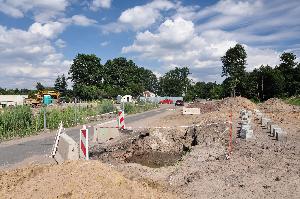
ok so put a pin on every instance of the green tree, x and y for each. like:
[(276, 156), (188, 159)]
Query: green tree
[(234, 64), (175, 82), (123, 76), (87, 70), (288, 68), (61, 85), (270, 82), (39, 86)]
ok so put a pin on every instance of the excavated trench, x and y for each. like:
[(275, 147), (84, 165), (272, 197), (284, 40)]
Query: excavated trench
[(152, 147)]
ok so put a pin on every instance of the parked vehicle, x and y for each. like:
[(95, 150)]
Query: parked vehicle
[(166, 101), (179, 103)]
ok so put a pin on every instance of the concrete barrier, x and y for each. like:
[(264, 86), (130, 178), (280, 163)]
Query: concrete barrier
[(102, 135), (258, 116), (269, 123), (191, 111), (264, 122), (67, 149), (280, 134), (272, 129)]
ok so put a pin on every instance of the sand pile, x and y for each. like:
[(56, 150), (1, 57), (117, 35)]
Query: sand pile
[(78, 179), (205, 107), (237, 103), (277, 105)]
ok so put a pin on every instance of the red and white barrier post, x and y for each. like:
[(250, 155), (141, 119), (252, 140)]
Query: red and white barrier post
[(121, 120), (84, 143)]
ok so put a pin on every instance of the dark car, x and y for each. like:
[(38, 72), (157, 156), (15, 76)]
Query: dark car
[(179, 103)]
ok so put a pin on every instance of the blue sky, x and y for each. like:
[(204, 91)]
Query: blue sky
[(39, 39)]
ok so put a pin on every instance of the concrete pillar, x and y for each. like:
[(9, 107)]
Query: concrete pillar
[(259, 116), (269, 123), (272, 129), (280, 134), (264, 122)]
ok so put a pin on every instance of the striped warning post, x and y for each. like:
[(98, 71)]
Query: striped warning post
[(121, 119), (84, 143)]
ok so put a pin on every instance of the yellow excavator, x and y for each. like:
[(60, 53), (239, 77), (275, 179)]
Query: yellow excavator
[(38, 99)]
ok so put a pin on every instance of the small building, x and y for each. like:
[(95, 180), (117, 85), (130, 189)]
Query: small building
[(126, 98), (12, 100), (148, 94)]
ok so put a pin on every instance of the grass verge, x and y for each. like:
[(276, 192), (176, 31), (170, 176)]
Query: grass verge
[(20, 121)]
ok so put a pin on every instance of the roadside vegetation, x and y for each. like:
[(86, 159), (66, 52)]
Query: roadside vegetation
[(293, 101), (132, 108), (20, 121)]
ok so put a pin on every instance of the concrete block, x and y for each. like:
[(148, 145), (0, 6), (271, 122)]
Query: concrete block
[(272, 129), (191, 111), (67, 149), (250, 135), (258, 116), (280, 134), (102, 135), (269, 123), (264, 122), (244, 130)]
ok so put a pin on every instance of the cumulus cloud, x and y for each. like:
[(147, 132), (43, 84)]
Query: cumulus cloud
[(48, 30), (60, 43), (82, 20), (30, 57), (140, 17), (198, 37), (42, 10), (97, 4)]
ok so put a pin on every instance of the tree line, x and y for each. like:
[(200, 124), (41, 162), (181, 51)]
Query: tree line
[(93, 80)]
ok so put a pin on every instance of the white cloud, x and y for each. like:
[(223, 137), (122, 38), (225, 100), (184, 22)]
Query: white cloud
[(60, 43), (176, 43), (105, 43), (28, 56), (198, 37), (42, 10), (82, 20), (48, 30), (97, 4), (140, 17)]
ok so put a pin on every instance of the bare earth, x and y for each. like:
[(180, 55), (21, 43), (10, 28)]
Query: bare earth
[(179, 162)]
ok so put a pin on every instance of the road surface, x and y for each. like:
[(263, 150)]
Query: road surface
[(39, 147)]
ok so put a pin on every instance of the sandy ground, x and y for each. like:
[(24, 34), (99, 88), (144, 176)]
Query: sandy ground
[(179, 162), (77, 179)]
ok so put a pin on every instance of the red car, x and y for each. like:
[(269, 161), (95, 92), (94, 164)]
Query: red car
[(166, 101)]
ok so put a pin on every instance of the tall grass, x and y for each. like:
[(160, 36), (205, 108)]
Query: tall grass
[(131, 108), (19, 121)]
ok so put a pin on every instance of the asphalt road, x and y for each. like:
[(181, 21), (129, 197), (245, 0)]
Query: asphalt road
[(25, 148)]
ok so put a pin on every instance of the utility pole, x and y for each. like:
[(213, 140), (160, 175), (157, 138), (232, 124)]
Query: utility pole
[(75, 111), (45, 120), (262, 87)]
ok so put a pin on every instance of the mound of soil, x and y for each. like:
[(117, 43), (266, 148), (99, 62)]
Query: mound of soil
[(88, 179), (234, 104), (237, 104), (278, 105)]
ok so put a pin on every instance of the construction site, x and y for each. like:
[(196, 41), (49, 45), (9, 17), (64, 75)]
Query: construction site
[(230, 148)]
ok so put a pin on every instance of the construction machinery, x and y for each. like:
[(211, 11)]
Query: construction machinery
[(43, 97)]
